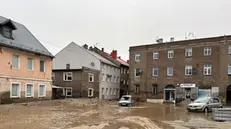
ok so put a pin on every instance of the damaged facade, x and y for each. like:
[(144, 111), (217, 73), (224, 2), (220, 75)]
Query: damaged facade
[(156, 70), (25, 68)]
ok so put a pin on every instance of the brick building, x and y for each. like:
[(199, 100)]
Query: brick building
[(157, 69)]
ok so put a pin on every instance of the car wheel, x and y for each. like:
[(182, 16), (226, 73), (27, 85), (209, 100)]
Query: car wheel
[(206, 110)]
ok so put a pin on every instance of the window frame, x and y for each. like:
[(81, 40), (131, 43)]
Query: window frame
[(155, 92), (18, 61), (153, 72), (31, 64), (187, 51), (70, 89), (205, 70), (42, 96), (89, 75), (44, 67), (135, 72), (168, 74), (169, 53), (92, 90), (32, 91), (137, 55), (229, 50), (137, 89), (67, 76), (187, 67), (9, 30), (207, 50), (102, 90), (19, 91), (229, 66), (155, 53)]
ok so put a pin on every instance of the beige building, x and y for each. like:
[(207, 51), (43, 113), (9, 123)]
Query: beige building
[(156, 70), (25, 65)]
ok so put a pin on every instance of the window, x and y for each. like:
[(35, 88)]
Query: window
[(188, 70), (114, 91), (170, 71), (114, 79), (229, 69), (121, 70), (188, 52), (67, 76), (128, 71), (107, 91), (68, 91), (16, 62), (137, 90), (124, 81), (207, 51), (124, 71), (15, 90), (229, 50), (137, 57), (29, 90), (53, 76), (170, 53), (138, 72), (117, 91), (154, 89), (42, 91), (30, 63), (7, 32), (91, 77), (110, 91), (118, 80), (127, 82), (102, 91), (155, 72), (90, 92), (103, 78), (104, 66), (42, 66), (207, 69), (155, 55)]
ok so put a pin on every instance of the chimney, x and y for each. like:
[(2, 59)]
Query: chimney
[(67, 66), (85, 46), (102, 49), (114, 54), (160, 40), (171, 39), (91, 48)]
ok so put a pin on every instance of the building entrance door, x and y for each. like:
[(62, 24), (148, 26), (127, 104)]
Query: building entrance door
[(187, 93)]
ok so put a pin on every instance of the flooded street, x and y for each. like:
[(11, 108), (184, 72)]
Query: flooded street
[(96, 114)]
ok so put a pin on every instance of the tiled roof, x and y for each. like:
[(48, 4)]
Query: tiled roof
[(23, 39)]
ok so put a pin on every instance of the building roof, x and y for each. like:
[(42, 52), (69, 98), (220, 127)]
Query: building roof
[(77, 57), (179, 42), (23, 39), (122, 61)]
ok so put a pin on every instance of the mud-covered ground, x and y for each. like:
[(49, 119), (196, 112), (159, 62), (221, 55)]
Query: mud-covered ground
[(96, 114)]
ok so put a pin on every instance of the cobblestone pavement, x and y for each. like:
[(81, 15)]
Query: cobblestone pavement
[(96, 114)]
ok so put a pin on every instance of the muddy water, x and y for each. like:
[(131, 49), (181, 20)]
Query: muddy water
[(94, 114)]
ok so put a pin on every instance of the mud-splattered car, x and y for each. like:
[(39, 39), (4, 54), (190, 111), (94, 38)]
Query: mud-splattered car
[(126, 100)]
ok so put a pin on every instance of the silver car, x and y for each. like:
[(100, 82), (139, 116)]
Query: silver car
[(126, 100), (205, 104)]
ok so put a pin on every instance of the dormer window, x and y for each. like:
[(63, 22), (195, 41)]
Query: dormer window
[(7, 32), (6, 28)]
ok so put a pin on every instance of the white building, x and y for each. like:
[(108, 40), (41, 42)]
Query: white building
[(78, 57)]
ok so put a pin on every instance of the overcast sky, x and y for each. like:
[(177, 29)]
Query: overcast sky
[(118, 24)]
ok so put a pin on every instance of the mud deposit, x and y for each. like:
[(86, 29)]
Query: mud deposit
[(96, 114)]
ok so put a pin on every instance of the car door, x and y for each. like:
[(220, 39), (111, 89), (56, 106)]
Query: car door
[(216, 103)]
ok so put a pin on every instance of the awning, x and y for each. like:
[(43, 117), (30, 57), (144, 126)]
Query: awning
[(57, 87)]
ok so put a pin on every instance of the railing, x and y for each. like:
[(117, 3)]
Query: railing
[(221, 114)]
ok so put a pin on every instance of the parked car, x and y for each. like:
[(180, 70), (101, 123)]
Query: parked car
[(205, 104), (126, 100)]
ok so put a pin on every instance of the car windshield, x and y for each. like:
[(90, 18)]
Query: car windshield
[(125, 98), (201, 100)]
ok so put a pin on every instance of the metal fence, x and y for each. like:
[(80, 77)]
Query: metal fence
[(221, 114)]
